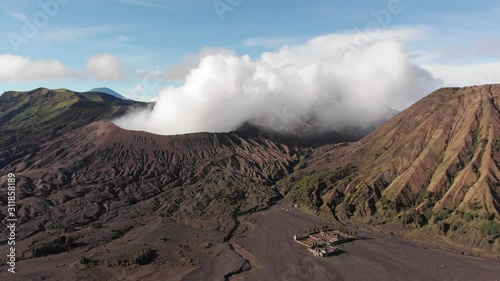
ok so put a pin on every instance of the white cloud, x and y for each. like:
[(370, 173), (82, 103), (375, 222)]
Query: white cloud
[(19, 15), (123, 38), (144, 3), (105, 67), (340, 79), (466, 74), (138, 92), (188, 63), (116, 42), (339, 44), (75, 33), (139, 89), (15, 68)]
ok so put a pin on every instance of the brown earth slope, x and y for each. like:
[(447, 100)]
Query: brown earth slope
[(104, 193), (84, 186), (434, 169), (102, 167), (92, 195)]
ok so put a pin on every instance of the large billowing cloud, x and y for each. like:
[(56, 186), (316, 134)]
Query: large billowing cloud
[(189, 62), (15, 68), (339, 79), (105, 67)]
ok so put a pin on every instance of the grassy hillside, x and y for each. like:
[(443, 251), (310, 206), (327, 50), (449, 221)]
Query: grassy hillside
[(30, 118)]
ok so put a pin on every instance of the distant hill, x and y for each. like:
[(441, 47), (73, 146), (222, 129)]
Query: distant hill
[(27, 119), (109, 92)]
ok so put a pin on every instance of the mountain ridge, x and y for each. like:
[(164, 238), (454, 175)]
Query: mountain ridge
[(104, 186), (109, 91), (32, 117), (424, 170)]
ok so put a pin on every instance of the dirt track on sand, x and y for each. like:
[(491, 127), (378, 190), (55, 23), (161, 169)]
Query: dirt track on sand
[(269, 238)]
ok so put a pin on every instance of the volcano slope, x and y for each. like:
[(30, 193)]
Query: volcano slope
[(86, 187), (430, 174), (95, 201), (122, 184), (28, 119)]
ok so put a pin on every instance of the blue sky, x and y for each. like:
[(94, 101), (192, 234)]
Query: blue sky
[(148, 36)]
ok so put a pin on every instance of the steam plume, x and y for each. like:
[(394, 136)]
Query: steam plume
[(339, 80)]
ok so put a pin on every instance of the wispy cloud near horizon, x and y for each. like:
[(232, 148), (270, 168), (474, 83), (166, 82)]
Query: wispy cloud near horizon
[(75, 33), (144, 4), (18, 15)]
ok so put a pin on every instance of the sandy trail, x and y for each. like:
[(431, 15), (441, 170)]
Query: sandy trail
[(375, 258)]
